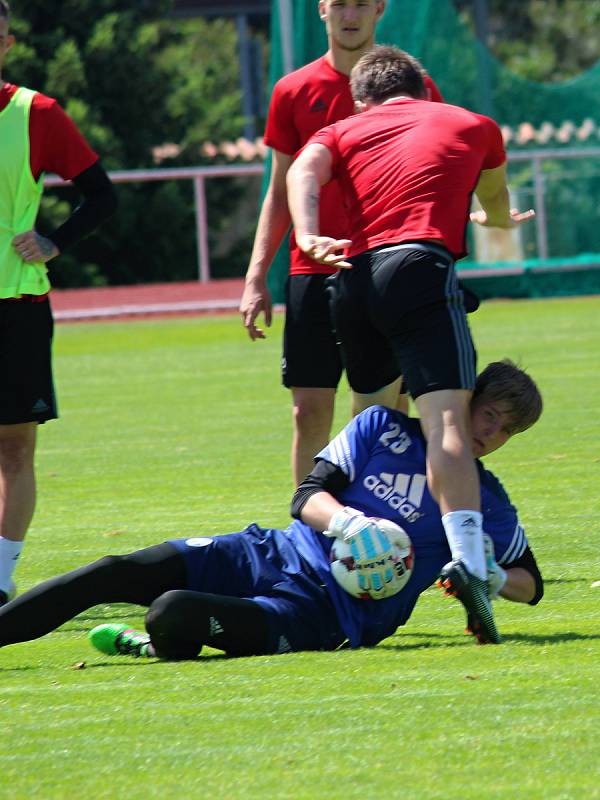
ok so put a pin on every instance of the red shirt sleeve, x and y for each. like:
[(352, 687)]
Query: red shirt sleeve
[(55, 143), (280, 131), (326, 136), (496, 154), (434, 93)]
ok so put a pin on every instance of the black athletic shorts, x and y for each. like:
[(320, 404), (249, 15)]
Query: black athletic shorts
[(400, 310), (311, 357), (26, 385)]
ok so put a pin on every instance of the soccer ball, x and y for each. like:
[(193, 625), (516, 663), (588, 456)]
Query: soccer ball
[(345, 574)]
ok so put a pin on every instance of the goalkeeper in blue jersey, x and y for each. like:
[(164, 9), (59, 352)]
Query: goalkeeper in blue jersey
[(264, 591)]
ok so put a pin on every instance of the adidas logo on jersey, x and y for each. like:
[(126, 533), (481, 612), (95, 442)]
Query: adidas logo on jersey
[(318, 105), (402, 493), (283, 646)]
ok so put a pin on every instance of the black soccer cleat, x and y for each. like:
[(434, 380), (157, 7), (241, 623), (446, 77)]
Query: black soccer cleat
[(456, 580)]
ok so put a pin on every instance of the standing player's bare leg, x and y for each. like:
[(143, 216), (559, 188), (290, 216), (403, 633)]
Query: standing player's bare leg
[(452, 473), (454, 482), (386, 396), (17, 495), (312, 411), (402, 402)]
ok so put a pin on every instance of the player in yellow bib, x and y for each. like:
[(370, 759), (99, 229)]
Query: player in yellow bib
[(37, 137)]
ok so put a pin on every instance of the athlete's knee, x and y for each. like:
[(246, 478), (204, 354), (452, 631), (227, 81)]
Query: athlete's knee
[(120, 570), (112, 568), (313, 411), (164, 612), (164, 621)]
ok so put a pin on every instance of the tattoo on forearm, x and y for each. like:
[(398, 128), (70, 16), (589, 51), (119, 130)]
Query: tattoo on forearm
[(46, 246), (313, 201)]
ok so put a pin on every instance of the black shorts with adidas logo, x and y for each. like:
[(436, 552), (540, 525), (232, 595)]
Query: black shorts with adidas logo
[(26, 386)]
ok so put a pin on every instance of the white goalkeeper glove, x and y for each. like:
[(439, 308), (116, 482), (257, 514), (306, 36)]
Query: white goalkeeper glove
[(340, 521), (496, 576), (371, 544)]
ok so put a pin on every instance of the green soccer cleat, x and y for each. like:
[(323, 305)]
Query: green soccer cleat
[(455, 579), (116, 639)]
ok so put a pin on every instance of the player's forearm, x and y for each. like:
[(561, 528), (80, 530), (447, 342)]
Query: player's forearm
[(273, 224), (319, 509), (497, 208), (304, 192), (519, 587), (492, 193)]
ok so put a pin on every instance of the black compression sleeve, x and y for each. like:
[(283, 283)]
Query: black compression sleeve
[(99, 202), (138, 578), (325, 477), (527, 562)]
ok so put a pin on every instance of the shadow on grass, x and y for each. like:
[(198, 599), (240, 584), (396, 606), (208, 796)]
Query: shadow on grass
[(554, 638), (446, 640), (431, 640), (118, 662), (74, 667)]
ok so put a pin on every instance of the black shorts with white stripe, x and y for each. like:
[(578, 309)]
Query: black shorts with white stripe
[(400, 310)]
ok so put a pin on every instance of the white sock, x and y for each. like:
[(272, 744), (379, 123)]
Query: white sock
[(9, 554), (465, 537)]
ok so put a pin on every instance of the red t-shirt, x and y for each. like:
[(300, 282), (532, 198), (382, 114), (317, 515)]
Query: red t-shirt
[(55, 143), (303, 102), (407, 170)]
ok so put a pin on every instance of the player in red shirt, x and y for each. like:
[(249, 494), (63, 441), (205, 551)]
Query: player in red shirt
[(303, 102), (406, 169), (37, 136)]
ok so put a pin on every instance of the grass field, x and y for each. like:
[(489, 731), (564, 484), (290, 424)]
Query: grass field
[(177, 427)]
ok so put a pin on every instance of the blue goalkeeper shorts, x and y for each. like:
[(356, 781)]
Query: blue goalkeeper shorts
[(263, 565)]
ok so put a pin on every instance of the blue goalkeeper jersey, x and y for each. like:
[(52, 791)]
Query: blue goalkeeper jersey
[(383, 454)]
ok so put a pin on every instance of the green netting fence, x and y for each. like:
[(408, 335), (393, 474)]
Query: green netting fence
[(560, 254)]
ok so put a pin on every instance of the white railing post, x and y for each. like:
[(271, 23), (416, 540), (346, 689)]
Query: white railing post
[(201, 229), (540, 207), (286, 34)]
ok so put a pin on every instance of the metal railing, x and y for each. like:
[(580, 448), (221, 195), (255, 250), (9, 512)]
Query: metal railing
[(196, 174), (199, 175), (537, 157)]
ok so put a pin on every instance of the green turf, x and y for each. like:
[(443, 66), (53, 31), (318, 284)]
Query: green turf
[(180, 427)]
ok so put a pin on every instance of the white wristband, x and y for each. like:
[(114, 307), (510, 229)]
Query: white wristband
[(340, 520)]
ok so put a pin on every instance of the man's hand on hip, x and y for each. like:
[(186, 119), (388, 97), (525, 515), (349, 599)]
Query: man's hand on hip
[(34, 248)]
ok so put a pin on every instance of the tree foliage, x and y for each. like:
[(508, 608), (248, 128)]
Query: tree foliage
[(541, 40), (133, 78)]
